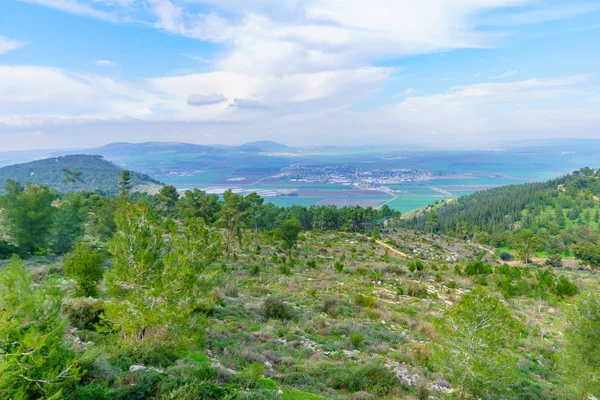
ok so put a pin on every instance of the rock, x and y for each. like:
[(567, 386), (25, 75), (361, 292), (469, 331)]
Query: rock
[(442, 383), (135, 368), (268, 365), (280, 391), (551, 311)]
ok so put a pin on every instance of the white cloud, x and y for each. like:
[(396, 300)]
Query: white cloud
[(105, 63), (85, 9), (204, 100), (507, 74), (249, 104), (308, 62), (7, 44)]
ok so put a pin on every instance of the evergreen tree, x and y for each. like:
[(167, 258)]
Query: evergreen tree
[(580, 359), (477, 336), (85, 265), (28, 214), (167, 200), (255, 203), (288, 232), (68, 224), (35, 363), (71, 177), (125, 183), (233, 215)]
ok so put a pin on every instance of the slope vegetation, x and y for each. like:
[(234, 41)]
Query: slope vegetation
[(96, 174)]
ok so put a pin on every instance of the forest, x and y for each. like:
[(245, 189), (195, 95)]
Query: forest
[(93, 173), (559, 218), (192, 296)]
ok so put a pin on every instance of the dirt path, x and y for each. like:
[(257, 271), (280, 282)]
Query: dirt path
[(382, 244)]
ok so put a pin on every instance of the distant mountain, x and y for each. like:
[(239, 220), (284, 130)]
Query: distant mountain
[(97, 174), (266, 146), (122, 148)]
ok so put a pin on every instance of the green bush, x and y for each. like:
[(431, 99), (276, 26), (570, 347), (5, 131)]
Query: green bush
[(85, 265), (357, 339), (365, 301), (7, 250), (478, 268), (416, 265), (276, 309), (418, 290), (565, 288), (83, 313), (339, 267)]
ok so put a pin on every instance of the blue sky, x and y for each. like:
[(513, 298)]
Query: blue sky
[(78, 73)]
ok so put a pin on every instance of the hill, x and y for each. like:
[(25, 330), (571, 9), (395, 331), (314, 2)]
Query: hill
[(97, 174), (154, 147), (265, 146), (562, 212)]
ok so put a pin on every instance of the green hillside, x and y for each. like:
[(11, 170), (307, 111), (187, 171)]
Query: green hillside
[(562, 212), (96, 174)]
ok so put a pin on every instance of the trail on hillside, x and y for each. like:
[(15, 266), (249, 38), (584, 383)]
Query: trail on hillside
[(382, 244)]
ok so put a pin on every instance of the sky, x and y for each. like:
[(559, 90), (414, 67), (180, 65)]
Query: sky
[(82, 73)]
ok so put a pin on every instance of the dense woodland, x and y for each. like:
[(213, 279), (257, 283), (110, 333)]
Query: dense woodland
[(559, 218), (189, 296), (93, 173)]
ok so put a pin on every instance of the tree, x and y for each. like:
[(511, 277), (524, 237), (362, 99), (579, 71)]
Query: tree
[(202, 246), (28, 214), (125, 183), (34, 361), (101, 217), (255, 203), (196, 203), (157, 288), (233, 214), (71, 177), (526, 242), (432, 221), (288, 232), (476, 337), (68, 224), (580, 358), (85, 265), (588, 254), (167, 199)]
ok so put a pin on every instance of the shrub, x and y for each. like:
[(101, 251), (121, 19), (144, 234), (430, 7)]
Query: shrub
[(231, 289), (330, 306), (92, 391), (7, 250), (478, 268), (554, 261), (339, 267), (311, 264), (83, 313), (416, 265), (418, 290), (276, 309), (285, 269), (357, 338), (506, 256), (365, 301), (565, 287), (85, 265)]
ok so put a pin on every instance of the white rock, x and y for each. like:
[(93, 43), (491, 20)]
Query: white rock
[(135, 368)]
